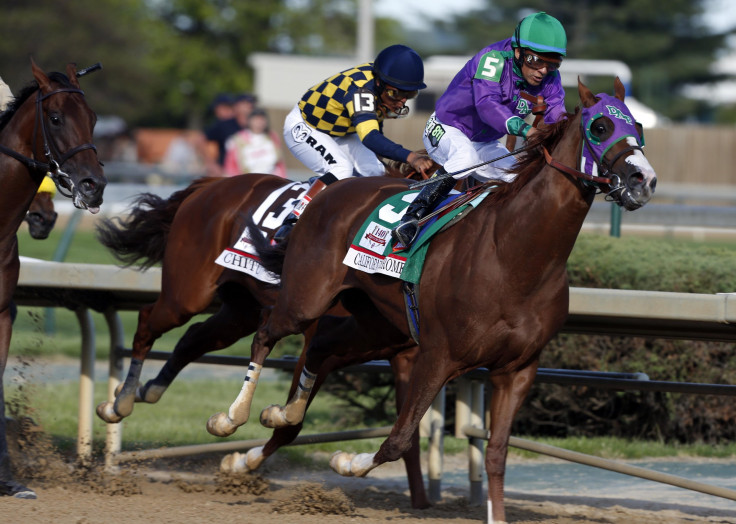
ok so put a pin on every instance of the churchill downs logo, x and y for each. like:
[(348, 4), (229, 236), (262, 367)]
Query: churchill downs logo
[(303, 133), (375, 238)]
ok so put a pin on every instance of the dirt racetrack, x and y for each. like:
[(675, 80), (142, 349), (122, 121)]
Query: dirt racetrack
[(188, 491)]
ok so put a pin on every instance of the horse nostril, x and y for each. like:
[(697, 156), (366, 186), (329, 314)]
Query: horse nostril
[(636, 179), (653, 184), (88, 186)]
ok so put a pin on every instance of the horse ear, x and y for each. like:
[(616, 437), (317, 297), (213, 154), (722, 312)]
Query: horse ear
[(619, 89), (586, 95), (43, 81), (71, 72)]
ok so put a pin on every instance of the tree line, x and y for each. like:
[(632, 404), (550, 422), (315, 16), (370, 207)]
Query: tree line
[(164, 60)]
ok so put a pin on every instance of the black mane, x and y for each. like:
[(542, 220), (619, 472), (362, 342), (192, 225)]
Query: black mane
[(26, 92)]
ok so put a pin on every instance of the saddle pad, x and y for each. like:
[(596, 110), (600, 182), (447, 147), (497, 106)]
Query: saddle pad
[(268, 217), (372, 249)]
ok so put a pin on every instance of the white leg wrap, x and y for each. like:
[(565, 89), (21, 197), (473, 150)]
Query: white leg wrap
[(490, 515), (241, 407), (306, 383)]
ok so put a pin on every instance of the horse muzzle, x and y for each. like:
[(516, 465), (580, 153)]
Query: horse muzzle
[(87, 194), (635, 186)]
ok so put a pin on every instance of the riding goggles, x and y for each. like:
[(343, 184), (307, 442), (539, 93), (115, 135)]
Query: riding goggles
[(537, 62), (397, 95)]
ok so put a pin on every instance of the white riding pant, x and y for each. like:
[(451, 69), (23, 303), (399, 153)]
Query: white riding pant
[(343, 156), (450, 148)]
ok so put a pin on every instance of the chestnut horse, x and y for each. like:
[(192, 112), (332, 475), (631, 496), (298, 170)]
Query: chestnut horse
[(196, 224), (48, 120), (494, 288)]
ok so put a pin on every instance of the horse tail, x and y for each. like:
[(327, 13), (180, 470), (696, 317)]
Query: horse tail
[(140, 238), (271, 256)]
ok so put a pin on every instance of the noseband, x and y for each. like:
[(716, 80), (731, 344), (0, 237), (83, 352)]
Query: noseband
[(52, 166)]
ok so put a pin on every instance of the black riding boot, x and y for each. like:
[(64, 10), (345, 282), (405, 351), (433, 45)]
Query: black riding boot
[(423, 205), (291, 219)]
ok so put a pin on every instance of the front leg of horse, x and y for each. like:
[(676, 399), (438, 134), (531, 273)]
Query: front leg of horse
[(225, 424), (276, 416)]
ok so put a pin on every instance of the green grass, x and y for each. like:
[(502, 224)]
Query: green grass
[(179, 418)]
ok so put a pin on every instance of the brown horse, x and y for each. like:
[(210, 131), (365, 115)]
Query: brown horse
[(48, 120), (494, 287), (196, 224)]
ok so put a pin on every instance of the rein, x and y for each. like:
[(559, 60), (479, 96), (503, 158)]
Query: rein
[(442, 176), (52, 167)]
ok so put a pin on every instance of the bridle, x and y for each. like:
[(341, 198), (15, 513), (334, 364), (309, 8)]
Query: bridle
[(54, 158), (615, 186)]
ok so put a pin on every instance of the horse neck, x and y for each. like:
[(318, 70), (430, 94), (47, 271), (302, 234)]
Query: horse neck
[(544, 219), (18, 183)]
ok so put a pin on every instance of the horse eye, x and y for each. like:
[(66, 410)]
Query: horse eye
[(55, 120)]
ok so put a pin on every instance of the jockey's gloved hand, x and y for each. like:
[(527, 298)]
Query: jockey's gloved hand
[(421, 163)]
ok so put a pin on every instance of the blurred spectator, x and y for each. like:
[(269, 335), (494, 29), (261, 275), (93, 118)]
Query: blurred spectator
[(224, 126), (182, 157), (243, 106), (255, 150)]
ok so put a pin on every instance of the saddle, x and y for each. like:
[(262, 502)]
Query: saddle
[(373, 250)]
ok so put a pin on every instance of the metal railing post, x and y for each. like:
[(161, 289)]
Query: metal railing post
[(86, 384), (436, 446), (114, 432)]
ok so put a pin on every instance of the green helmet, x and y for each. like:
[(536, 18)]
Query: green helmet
[(542, 33)]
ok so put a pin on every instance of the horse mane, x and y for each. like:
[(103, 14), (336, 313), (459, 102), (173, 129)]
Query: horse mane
[(531, 162), (26, 92)]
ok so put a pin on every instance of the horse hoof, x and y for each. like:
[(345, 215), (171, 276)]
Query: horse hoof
[(234, 463), (274, 417), (106, 411), (15, 490), (119, 388), (340, 463), (150, 393), (220, 425), (254, 458), (352, 465)]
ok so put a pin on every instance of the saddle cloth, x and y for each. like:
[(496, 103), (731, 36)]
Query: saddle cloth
[(373, 250), (269, 216)]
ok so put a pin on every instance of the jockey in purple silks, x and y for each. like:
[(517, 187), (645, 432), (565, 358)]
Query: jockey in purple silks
[(487, 99)]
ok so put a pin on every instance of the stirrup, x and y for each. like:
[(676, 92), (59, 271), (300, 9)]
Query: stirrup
[(406, 232)]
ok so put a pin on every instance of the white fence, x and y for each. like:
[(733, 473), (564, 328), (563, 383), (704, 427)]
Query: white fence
[(109, 289)]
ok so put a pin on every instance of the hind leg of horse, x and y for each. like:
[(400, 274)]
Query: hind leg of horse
[(171, 310), (509, 391)]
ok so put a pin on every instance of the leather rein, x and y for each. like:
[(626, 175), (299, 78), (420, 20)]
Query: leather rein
[(52, 166)]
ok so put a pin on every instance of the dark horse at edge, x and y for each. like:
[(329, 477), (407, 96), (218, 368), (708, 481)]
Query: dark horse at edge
[(46, 129)]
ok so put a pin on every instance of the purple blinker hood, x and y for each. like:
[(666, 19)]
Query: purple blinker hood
[(624, 127)]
